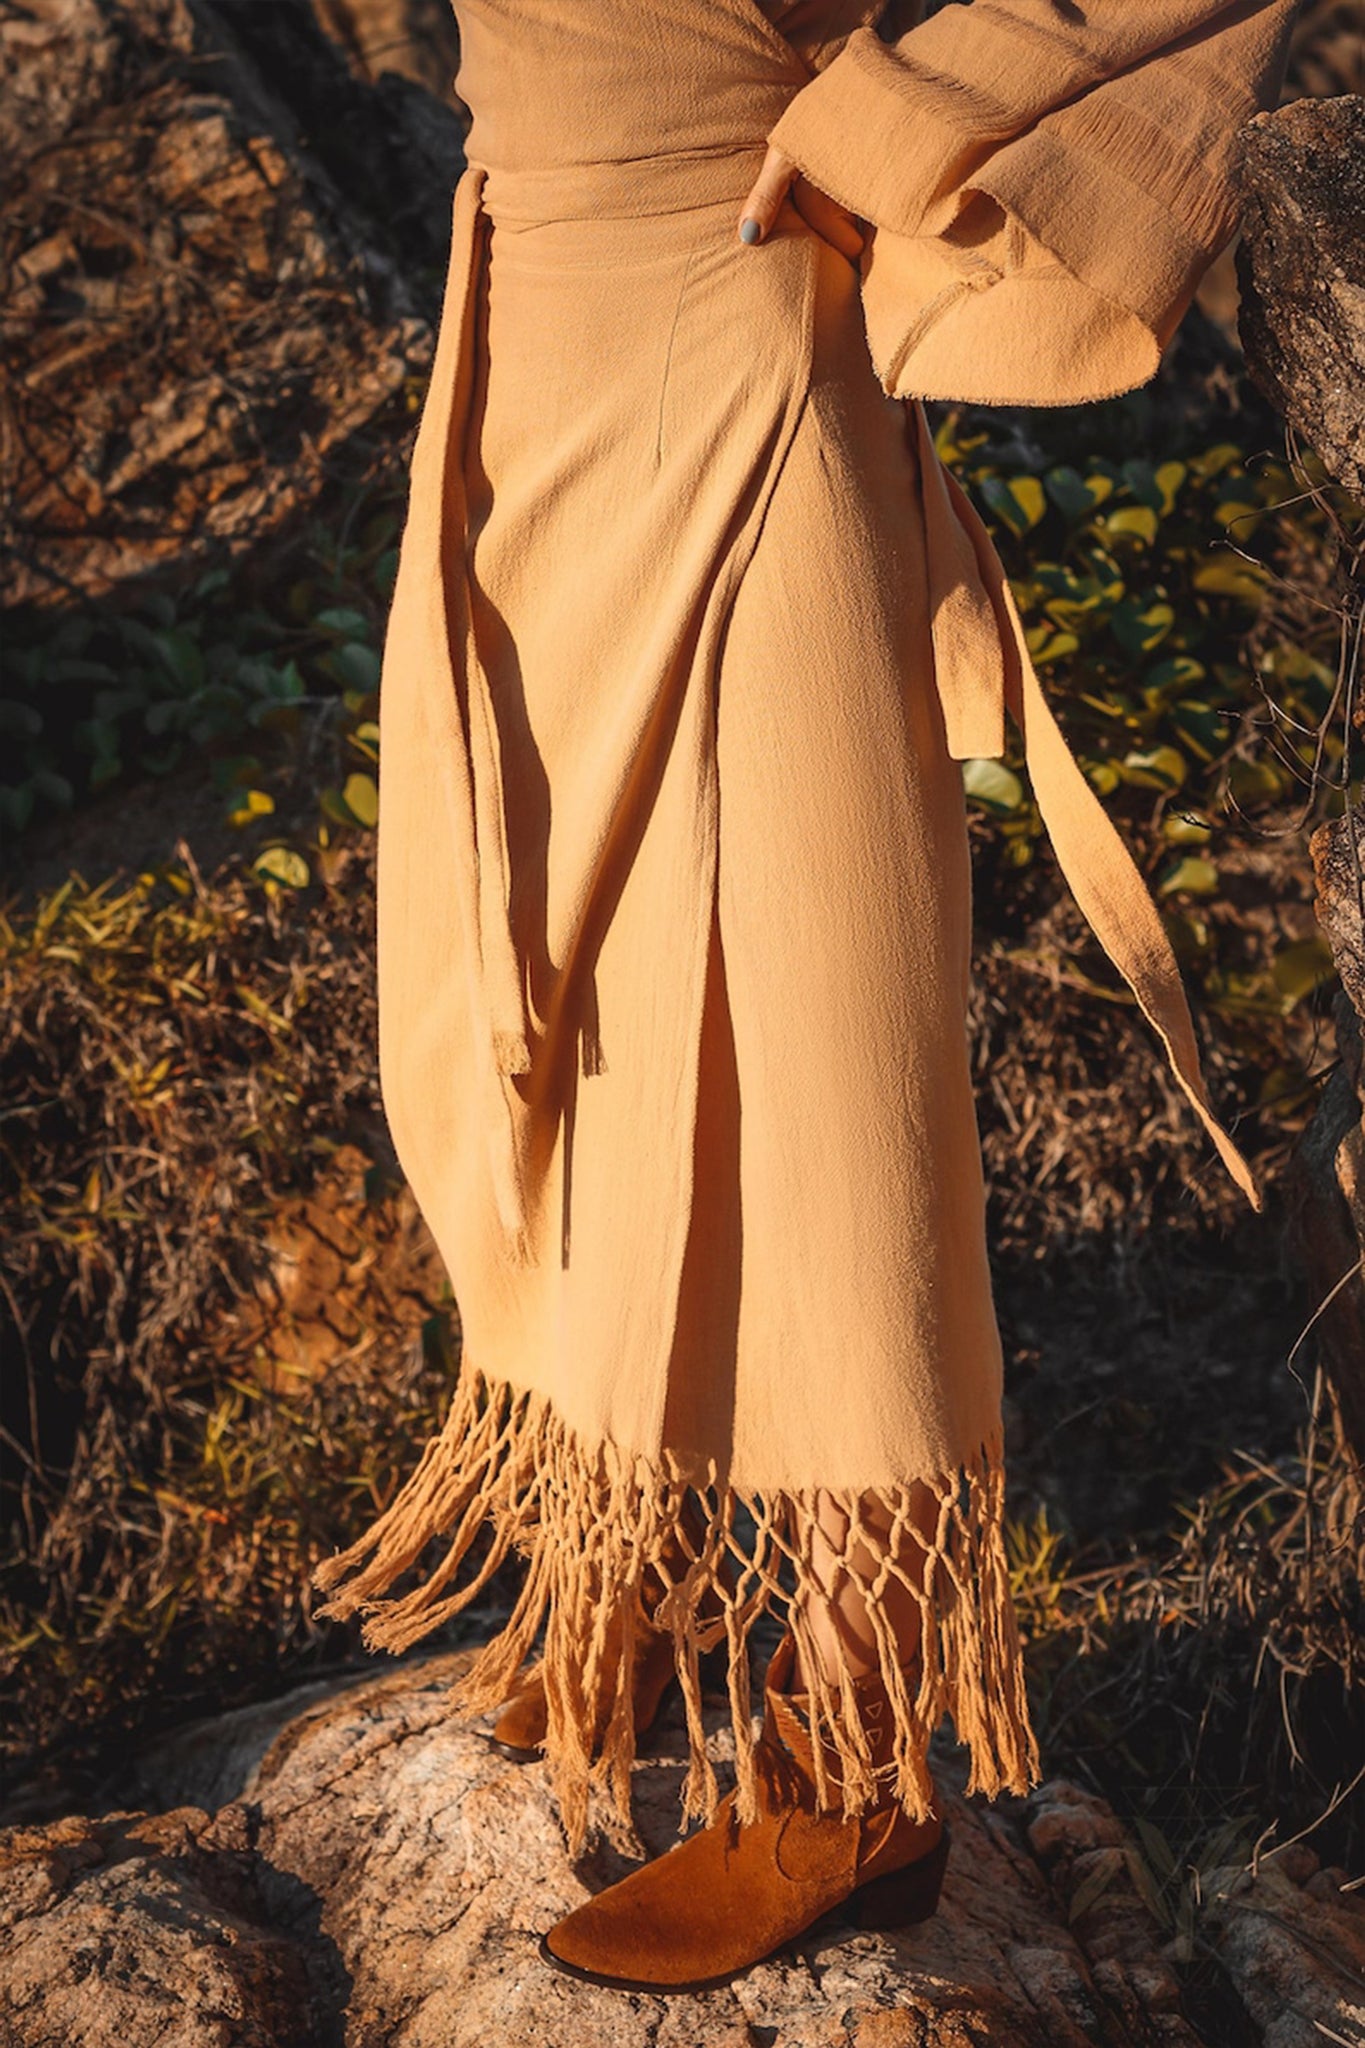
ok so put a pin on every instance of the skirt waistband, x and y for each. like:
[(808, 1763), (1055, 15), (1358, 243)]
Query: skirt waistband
[(632, 189)]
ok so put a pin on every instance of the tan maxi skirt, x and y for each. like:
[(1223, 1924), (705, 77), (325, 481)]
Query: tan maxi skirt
[(690, 635)]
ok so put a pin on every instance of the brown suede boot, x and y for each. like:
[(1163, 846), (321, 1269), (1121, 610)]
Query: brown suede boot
[(519, 1731), (729, 1896)]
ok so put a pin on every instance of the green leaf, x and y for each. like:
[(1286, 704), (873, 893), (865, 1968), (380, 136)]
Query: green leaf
[(1019, 502), (16, 804), (365, 740), (96, 736), (1138, 522), (1302, 967), (159, 605), (1215, 460), (1145, 1884), (1047, 643), (113, 703), (282, 864), (252, 804), (331, 806), (1154, 768), (159, 718), (1140, 625), (361, 798), (75, 669), (1071, 494), (1225, 576), (1187, 932), (355, 666), (1186, 828), (1106, 575), (231, 771), (1156, 1848), (1104, 776), (182, 657), (1096, 1882), (47, 782), (1057, 581), (993, 784), (1195, 875), (19, 718), (1170, 678), (1113, 706), (1252, 782), (1169, 477), (1236, 512), (1140, 478), (351, 625), (1295, 664), (1201, 728)]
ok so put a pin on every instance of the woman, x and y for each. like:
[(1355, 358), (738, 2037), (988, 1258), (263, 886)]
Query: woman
[(690, 633)]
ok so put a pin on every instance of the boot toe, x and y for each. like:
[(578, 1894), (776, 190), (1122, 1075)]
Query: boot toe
[(613, 1946), (519, 1731)]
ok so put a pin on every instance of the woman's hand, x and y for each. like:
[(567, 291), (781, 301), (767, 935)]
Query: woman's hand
[(780, 176)]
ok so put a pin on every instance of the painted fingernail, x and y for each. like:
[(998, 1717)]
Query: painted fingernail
[(750, 229)]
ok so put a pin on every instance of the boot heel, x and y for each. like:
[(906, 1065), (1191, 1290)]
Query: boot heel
[(902, 1897)]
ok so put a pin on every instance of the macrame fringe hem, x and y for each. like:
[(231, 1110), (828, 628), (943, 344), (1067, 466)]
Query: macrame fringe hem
[(592, 1524)]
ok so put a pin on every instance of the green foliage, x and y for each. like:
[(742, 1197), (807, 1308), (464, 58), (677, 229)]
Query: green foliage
[(1148, 593), (224, 669)]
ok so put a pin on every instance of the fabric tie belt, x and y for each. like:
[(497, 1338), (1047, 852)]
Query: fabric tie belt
[(981, 667)]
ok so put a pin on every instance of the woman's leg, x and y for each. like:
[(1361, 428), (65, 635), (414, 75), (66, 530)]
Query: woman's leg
[(849, 1578)]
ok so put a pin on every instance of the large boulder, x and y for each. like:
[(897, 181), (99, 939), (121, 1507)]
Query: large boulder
[(1301, 267), (1325, 1177), (222, 261), (353, 1865)]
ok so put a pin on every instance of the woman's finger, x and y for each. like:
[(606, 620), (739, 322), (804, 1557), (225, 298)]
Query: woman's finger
[(766, 194), (828, 218)]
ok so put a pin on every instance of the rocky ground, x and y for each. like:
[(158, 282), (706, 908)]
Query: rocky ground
[(350, 1865)]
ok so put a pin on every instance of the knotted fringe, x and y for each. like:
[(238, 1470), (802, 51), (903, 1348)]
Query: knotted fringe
[(592, 1522)]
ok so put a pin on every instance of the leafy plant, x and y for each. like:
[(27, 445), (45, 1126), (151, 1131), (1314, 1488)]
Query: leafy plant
[(1147, 592)]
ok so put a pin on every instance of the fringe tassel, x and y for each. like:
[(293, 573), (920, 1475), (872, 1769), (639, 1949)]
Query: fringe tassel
[(592, 1523)]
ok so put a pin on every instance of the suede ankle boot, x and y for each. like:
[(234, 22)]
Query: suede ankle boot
[(519, 1731), (730, 1896)]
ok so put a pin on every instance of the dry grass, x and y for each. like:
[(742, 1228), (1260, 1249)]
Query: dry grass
[(1215, 1675), (236, 1331), (228, 1320)]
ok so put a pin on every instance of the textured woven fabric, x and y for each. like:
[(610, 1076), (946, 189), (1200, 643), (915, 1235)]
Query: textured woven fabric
[(690, 635)]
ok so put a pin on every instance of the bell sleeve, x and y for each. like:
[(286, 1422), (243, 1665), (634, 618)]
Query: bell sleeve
[(1045, 183)]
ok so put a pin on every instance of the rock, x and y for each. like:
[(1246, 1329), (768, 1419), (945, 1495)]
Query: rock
[(223, 257), (56, 64), (1301, 268), (417, 38), (1296, 1954), (1324, 1180), (351, 1864), (135, 1928)]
